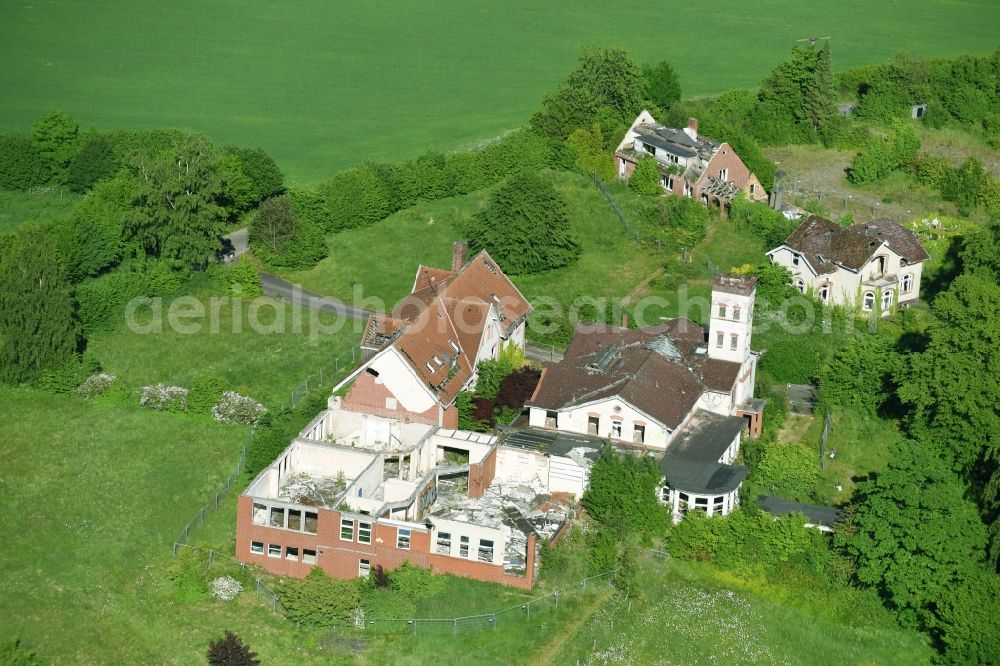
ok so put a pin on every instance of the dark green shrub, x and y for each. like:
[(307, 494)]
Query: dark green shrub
[(20, 165), (318, 600), (94, 162), (205, 392), (414, 581)]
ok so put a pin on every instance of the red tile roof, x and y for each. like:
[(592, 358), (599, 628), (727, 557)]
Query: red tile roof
[(438, 327)]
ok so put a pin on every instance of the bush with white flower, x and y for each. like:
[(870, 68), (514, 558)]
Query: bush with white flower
[(164, 398), (235, 408), (95, 385), (226, 588)]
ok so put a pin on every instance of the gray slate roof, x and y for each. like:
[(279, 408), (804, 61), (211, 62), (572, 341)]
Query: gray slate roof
[(706, 437), (701, 478)]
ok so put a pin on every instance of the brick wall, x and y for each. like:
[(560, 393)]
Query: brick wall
[(491, 573), (341, 558), (481, 475), (726, 158)]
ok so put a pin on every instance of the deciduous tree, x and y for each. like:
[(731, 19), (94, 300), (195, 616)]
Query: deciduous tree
[(54, 136), (607, 78), (176, 213), (661, 85), (525, 227), (913, 532)]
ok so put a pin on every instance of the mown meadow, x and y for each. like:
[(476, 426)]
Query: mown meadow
[(322, 86)]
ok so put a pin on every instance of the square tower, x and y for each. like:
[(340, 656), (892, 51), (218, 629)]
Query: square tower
[(731, 319)]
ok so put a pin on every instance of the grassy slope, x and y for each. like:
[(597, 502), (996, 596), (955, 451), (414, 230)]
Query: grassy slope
[(687, 614), (19, 207), (382, 259), (323, 85), (265, 365)]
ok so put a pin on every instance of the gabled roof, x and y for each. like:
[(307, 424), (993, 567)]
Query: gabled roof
[(827, 245), (438, 327), (660, 374)]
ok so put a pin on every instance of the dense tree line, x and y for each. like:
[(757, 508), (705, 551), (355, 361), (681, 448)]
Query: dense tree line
[(924, 532), (155, 205)]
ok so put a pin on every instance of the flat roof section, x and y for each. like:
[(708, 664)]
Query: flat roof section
[(827, 516), (706, 437), (553, 442)]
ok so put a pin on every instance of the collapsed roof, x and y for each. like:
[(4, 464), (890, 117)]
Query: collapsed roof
[(656, 369)]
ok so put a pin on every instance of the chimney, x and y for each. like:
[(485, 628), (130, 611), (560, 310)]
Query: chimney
[(692, 129), (459, 250)]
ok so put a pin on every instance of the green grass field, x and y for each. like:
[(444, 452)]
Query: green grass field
[(382, 260), (266, 365), (324, 85), (689, 614), (17, 208)]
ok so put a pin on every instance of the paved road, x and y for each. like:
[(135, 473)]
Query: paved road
[(542, 354), (293, 293), (235, 244)]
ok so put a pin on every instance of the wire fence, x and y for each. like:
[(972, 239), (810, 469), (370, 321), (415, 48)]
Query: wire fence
[(518, 614), (333, 370), (616, 208), (315, 379), (199, 518), (214, 558)]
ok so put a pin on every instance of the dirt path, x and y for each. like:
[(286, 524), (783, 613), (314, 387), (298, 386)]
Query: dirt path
[(642, 286), (548, 652), (795, 428)]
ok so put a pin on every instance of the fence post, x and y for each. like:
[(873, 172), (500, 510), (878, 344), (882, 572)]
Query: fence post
[(527, 609), (175, 549), (211, 557), (493, 621), (557, 598), (454, 627), (321, 375)]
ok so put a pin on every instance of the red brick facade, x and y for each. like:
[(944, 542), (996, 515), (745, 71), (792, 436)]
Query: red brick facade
[(482, 473), (341, 558), (368, 396), (725, 158)]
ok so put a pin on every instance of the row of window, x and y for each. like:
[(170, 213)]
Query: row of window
[(288, 519), (720, 340), (735, 312), (594, 427), (442, 545), (868, 301), (290, 553), (906, 285), (361, 532)]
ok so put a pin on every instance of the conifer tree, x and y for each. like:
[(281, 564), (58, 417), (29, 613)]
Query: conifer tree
[(38, 328)]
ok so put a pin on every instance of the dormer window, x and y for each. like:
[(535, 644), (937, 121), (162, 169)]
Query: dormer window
[(429, 366), (453, 345), (438, 361), (795, 260)]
